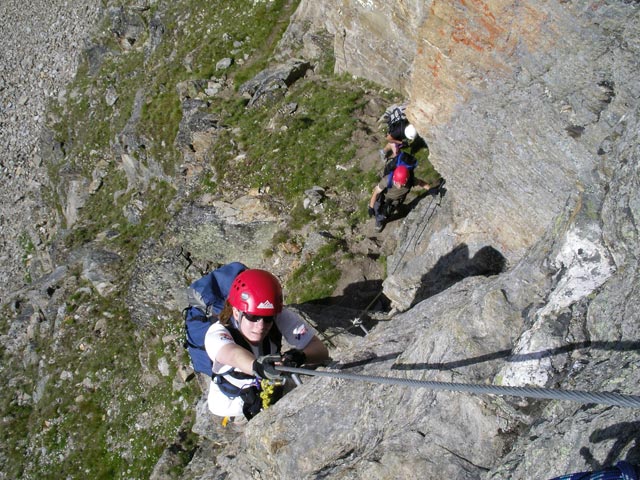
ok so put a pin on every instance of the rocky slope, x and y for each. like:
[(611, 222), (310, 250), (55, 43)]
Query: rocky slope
[(39, 58), (522, 271)]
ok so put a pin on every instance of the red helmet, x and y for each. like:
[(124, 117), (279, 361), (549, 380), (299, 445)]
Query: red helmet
[(256, 292), (401, 175)]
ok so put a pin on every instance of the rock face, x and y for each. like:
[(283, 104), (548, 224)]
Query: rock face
[(531, 114), (374, 39), (523, 270), (517, 141), (538, 139)]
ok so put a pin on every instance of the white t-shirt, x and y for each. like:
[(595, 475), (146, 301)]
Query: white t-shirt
[(294, 330)]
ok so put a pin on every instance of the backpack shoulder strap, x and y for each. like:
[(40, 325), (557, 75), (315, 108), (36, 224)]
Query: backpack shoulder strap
[(195, 323), (274, 336), (238, 337)]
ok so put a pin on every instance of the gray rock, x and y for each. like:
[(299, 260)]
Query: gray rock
[(111, 96), (127, 26), (224, 63), (272, 83), (313, 198), (98, 267)]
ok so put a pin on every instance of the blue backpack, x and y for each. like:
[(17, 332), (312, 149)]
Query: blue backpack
[(403, 158), (206, 299)]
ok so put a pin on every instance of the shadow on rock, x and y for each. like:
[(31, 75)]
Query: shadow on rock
[(339, 312), (620, 437), (456, 266), (521, 357)]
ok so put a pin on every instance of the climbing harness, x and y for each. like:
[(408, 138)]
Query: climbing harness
[(603, 398)]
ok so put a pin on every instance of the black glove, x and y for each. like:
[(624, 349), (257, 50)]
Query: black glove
[(372, 212), (264, 367), (294, 358)]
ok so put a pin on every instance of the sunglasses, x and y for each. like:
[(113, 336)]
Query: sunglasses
[(255, 318)]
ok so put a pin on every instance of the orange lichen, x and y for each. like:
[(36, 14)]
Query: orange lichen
[(435, 66), (461, 34), (484, 8)]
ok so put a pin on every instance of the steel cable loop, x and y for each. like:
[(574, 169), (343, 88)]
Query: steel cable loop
[(603, 398)]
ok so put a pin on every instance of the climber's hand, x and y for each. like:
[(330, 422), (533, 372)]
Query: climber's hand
[(264, 367), (294, 358)]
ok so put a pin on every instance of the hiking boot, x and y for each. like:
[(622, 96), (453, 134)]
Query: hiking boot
[(383, 155), (379, 225)]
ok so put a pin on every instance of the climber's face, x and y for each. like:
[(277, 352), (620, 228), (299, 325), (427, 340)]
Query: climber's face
[(253, 327)]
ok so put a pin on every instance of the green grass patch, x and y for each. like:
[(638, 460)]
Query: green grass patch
[(104, 211), (99, 415), (196, 35), (292, 154), (317, 278), (28, 248)]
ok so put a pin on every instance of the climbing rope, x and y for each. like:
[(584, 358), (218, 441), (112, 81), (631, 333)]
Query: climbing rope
[(603, 398), (267, 390)]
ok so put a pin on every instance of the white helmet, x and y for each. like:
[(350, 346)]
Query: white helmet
[(410, 132)]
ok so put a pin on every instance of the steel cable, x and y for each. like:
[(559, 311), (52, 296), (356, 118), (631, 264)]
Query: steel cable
[(603, 398), (357, 322)]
